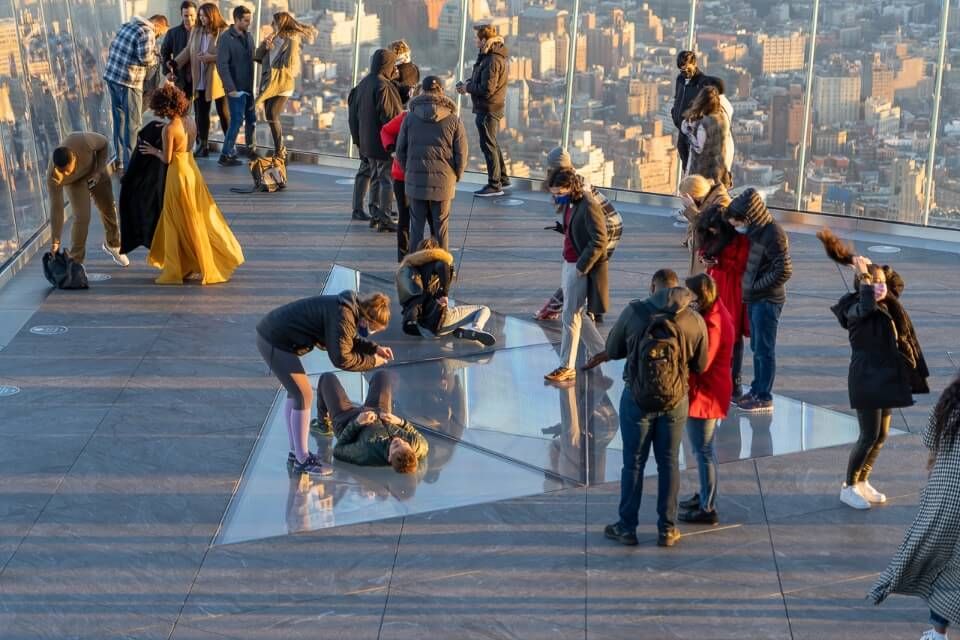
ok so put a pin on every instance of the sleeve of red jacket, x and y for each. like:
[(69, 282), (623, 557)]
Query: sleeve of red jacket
[(390, 131)]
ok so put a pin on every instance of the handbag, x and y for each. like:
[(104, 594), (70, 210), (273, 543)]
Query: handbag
[(63, 272), (269, 175)]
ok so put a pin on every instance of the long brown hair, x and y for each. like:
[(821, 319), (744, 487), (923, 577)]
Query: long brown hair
[(945, 420), (837, 250), (217, 24), (567, 178), (706, 103), (287, 26)]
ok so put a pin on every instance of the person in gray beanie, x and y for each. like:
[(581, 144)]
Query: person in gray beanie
[(557, 159)]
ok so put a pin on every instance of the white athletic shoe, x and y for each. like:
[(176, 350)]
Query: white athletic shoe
[(931, 634), (872, 495), (114, 252), (852, 498)]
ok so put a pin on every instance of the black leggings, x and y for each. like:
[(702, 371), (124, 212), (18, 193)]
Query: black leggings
[(201, 108), (289, 370), (874, 427), (272, 108), (333, 400)]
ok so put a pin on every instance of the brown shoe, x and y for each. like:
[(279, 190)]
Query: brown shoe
[(668, 538), (560, 374)]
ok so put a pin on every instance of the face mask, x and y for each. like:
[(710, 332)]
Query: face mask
[(879, 290), (363, 330), (561, 200), (741, 230)]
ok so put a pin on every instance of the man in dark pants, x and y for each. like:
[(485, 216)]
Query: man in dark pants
[(374, 102), (764, 291), (235, 66), (176, 41), (689, 82), (487, 87), (668, 307)]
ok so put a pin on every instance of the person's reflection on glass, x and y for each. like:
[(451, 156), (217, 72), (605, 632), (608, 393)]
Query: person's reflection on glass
[(566, 449), (761, 443), (729, 442), (308, 505)]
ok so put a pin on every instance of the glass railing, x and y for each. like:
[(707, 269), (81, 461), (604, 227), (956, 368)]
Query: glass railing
[(849, 109)]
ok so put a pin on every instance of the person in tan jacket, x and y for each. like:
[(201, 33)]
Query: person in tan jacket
[(201, 54), (79, 165), (697, 195)]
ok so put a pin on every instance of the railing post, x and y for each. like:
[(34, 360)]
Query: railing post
[(808, 100), (935, 120), (572, 34)]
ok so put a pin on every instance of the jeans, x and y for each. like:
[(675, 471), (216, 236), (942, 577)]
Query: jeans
[(737, 366), (487, 126), (764, 320), (434, 212), (381, 188), (639, 430), (874, 427), (361, 184), (702, 432), (242, 110), (272, 108), (574, 318), (126, 106)]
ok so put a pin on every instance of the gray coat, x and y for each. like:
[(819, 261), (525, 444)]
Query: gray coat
[(588, 233), (235, 61), (432, 148)]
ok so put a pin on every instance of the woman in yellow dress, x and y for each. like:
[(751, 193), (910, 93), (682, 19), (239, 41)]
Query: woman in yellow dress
[(192, 240)]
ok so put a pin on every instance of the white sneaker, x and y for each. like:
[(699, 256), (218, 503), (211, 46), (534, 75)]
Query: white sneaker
[(931, 634), (872, 495), (852, 498), (114, 252)]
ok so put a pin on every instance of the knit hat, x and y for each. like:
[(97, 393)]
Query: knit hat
[(747, 206), (558, 158)]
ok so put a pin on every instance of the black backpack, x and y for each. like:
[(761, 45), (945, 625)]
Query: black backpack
[(63, 272), (657, 365)]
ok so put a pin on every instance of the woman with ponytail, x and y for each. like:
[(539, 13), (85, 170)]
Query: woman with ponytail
[(927, 565), (338, 324), (886, 365)]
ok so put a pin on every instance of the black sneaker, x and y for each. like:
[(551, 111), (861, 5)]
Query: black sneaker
[(699, 516), (668, 538), (621, 535), (322, 427), (505, 183), (361, 215), (753, 404), (229, 161), (313, 466), (291, 458), (488, 192), (386, 225), (693, 502), (484, 338)]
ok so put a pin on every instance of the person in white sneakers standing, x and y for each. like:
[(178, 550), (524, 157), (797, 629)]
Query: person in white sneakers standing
[(886, 365)]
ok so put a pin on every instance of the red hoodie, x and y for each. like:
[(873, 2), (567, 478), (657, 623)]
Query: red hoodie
[(388, 137), (710, 391), (728, 274)]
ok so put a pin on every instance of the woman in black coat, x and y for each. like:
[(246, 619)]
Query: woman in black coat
[(141, 191), (886, 366), (338, 324)]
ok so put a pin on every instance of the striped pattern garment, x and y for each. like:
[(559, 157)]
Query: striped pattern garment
[(132, 51), (927, 565)]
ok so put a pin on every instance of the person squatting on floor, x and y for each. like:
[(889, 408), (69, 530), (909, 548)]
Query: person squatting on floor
[(558, 159), (423, 284), (369, 435), (927, 564), (584, 271), (79, 165), (886, 365), (432, 151), (663, 341), (336, 323), (764, 289)]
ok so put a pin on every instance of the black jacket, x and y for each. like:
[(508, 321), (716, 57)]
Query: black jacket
[(141, 191), (487, 85), (432, 148), (327, 322), (373, 103), (588, 234), (422, 277), (173, 43), (235, 61), (769, 265), (886, 365), (684, 94)]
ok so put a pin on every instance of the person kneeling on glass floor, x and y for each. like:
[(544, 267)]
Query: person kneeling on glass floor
[(423, 282), (369, 435)]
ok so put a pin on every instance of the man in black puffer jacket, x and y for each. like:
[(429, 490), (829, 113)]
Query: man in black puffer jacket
[(432, 151), (764, 291), (371, 104), (487, 87)]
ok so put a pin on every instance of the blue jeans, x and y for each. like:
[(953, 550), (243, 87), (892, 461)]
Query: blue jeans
[(242, 109), (764, 321), (126, 107), (702, 433), (639, 430)]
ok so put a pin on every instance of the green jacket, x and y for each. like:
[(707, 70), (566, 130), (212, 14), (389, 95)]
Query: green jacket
[(369, 444)]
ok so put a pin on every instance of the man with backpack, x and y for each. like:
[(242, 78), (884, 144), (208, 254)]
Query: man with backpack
[(663, 340)]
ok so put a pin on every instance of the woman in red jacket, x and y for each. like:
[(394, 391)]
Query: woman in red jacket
[(407, 83), (709, 398), (724, 253)]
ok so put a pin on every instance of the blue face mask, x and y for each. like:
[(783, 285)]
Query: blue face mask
[(362, 330), (561, 201), (742, 230)]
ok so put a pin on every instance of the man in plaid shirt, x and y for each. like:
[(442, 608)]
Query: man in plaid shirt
[(132, 52)]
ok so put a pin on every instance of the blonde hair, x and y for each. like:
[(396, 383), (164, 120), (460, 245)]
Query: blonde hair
[(401, 49), (375, 309), (695, 186)]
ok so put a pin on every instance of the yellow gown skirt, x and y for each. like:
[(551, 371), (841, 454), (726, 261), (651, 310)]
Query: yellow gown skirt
[(192, 235)]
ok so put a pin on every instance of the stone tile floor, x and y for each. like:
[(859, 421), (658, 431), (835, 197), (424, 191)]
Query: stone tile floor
[(126, 441)]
